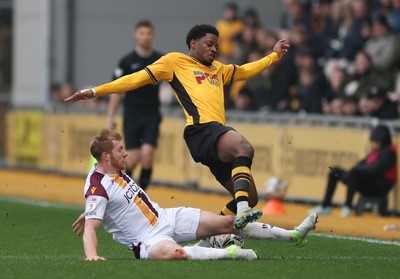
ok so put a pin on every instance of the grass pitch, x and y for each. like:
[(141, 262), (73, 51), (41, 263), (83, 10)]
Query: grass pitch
[(36, 241)]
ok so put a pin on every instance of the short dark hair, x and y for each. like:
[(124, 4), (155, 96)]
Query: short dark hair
[(102, 142), (144, 23), (199, 31)]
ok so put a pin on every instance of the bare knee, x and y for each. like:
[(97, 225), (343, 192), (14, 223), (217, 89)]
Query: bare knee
[(247, 149), (167, 250), (177, 254)]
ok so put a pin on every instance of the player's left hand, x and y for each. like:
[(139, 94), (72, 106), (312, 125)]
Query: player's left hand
[(80, 95), (281, 47), (79, 224)]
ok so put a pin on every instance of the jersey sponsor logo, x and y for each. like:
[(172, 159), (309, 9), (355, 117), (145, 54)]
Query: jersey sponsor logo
[(93, 189), (132, 190), (211, 78)]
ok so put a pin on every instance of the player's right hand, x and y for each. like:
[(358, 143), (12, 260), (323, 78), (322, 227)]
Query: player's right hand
[(95, 258), (80, 95)]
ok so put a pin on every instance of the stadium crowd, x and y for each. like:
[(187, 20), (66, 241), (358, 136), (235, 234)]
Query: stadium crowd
[(344, 58)]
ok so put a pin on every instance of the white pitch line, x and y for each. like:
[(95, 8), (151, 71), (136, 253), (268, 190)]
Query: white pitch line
[(326, 235), (323, 258), (356, 238)]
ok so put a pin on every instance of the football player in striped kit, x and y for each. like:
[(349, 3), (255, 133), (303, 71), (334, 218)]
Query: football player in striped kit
[(198, 80)]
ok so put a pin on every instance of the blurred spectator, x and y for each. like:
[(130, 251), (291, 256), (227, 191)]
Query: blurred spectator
[(312, 86), (336, 106), (293, 14), (245, 44), (393, 16), (229, 28), (336, 81), (374, 175), (381, 8), (244, 100), (341, 19), (364, 106), (250, 18), (298, 39), (266, 39), (322, 31), (363, 77), (357, 33), (350, 106), (383, 48), (381, 106)]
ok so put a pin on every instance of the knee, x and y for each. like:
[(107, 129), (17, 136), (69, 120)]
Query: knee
[(168, 253), (247, 148), (177, 254)]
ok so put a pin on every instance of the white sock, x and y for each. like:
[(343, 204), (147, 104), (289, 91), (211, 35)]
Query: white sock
[(258, 230), (204, 253), (242, 206)]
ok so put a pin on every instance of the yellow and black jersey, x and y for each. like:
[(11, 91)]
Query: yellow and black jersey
[(198, 88)]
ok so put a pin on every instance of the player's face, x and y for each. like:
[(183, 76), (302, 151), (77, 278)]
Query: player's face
[(205, 49), (144, 37), (118, 155)]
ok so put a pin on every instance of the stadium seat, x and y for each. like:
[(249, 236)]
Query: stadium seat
[(378, 204)]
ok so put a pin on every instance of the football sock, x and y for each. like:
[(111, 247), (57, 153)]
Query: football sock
[(265, 231), (145, 178), (229, 209), (241, 176), (204, 253)]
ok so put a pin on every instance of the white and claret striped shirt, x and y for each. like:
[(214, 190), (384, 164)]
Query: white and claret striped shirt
[(198, 88), (124, 208)]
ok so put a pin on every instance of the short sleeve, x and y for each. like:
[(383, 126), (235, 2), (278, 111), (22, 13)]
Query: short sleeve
[(95, 207)]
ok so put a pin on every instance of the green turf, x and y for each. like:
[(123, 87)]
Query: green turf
[(37, 242)]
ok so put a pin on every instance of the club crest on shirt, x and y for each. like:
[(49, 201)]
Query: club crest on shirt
[(211, 78)]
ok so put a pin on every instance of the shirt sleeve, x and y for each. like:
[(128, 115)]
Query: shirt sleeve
[(95, 207), (252, 69), (161, 69), (158, 71), (124, 84)]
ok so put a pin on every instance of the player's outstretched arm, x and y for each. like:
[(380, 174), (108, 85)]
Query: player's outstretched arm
[(252, 69), (90, 240), (81, 95)]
